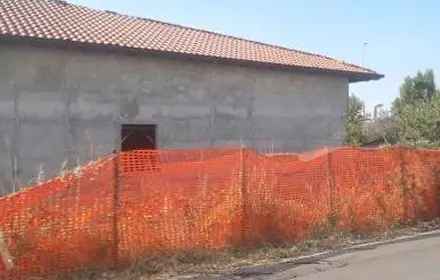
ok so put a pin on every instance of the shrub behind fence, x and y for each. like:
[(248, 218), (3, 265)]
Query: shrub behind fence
[(131, 205)]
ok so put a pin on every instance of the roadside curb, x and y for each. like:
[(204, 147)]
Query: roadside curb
[(249, 272), (363, 246)]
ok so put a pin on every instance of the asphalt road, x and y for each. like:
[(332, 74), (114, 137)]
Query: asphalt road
[(408, 260)]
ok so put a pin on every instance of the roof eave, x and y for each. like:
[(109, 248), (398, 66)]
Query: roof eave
[(59, 43), (365, 77)]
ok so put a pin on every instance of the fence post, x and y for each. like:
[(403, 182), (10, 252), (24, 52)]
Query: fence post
[(115, 208), (8, 261), (243, 191), (331, 184), (403, 184)]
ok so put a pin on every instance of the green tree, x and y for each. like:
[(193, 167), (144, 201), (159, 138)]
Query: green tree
[(419, 123), (417, 111), (354, 120), (416, 89)]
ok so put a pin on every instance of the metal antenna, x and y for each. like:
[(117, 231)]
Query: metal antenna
[(364, 50)]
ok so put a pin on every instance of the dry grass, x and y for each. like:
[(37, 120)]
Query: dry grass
[(202, 264)]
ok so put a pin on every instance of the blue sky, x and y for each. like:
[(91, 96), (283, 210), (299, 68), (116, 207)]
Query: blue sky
[(403, 36)]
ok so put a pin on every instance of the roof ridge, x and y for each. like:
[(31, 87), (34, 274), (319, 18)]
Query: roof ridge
[(215, 33), (171, 38)]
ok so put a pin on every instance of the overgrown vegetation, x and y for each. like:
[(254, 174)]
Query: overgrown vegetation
[(232, 263), (354, 121), (413, 120)]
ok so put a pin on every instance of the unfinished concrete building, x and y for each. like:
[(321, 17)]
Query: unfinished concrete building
[(77, 83)]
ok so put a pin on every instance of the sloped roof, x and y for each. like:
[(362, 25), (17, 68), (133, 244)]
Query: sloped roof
[(56, 20)]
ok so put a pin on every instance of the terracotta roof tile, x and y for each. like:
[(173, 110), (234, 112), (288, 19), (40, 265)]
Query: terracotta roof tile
[(59, 20)]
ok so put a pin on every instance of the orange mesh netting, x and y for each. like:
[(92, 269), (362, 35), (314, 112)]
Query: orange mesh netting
[(131, 205)]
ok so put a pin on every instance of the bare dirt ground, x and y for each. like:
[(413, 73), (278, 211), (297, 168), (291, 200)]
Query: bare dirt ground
[(265, 263)]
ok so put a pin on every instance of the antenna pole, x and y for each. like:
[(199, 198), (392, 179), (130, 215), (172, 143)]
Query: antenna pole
[(364, 50)]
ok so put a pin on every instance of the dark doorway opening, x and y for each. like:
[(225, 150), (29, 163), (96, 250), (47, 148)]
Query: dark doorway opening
[(138, 137)]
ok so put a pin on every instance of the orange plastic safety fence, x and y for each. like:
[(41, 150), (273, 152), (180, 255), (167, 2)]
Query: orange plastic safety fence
[(61, 225), (131, 205)]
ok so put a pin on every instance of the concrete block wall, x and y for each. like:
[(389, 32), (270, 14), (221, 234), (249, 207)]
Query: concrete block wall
[(60, 108)]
